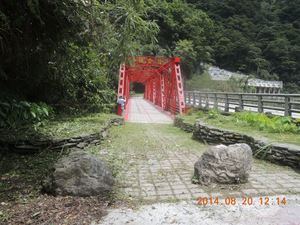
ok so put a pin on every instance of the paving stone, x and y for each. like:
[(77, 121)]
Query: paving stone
[(192, 186), (184, 196), (167, 197), (169, 171), (148, 188), (146, 184), (186, 177), (296, 181), (235, 194), (258, 186), (250, 192), (148, 193), (165, 187), (289, 185), (178, 186), (280, 190), (150, 198), (164, 192), (198, 190), (273, 185), (265, 191), (181, 191), (176, 183), (295, 190)]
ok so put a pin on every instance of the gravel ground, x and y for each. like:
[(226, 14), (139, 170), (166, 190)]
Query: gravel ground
[(188, 212)]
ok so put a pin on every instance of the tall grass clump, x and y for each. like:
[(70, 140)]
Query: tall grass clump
[(275, 124)]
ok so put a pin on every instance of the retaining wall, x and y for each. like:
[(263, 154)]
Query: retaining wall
[(32, 146), (285, 154)]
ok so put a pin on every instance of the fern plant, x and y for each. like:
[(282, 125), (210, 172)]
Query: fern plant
[(14, 114), (275, 124)]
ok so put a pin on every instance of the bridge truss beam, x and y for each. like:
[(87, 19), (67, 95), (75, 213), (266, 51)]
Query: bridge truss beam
[(161, 77)]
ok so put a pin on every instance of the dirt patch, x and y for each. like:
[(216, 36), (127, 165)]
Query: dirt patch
[(21, 175), (54, 210)]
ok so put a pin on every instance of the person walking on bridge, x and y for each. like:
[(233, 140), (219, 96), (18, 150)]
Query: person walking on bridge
[(121, 101)]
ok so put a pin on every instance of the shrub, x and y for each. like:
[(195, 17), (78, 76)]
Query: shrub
[(275, 124), (14, 114), (213, 114), (297, 122)]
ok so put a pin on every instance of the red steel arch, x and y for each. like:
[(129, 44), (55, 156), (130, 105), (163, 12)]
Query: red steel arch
[(161, 77)]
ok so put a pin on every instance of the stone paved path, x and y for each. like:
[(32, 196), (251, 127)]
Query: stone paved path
[(158, 165), (141, 111)]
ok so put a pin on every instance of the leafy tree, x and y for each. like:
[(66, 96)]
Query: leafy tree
[(182, 27), (258, 37), (66, 52)]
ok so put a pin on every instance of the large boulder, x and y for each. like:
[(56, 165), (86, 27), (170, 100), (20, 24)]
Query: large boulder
[(79, 174), (224, 164)]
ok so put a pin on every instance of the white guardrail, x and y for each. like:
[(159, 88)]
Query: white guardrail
[(277, 104)]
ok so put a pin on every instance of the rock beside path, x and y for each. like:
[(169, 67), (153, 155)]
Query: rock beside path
[(79, 174), (224, 164)]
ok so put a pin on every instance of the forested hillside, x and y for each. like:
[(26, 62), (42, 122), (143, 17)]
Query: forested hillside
[(261, 38), (258, 37), (66, 52)]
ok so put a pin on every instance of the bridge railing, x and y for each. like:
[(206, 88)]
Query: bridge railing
[(278, 104)]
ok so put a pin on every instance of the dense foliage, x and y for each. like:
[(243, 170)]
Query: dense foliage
[(275, 124), (247, 120), (261, 37), (66, 52), (15, 114), (184, 31)]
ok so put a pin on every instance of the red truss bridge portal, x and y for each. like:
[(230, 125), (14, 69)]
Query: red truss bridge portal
[(161, 77)]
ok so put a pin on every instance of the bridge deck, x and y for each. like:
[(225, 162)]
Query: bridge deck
[(141, 111)]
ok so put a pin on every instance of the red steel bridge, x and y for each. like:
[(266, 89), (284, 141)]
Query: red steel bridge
[(161, 77)]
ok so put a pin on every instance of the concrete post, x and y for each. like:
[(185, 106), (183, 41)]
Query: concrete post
[(260, 104), (226, 109), (287, 106), (215, 101)]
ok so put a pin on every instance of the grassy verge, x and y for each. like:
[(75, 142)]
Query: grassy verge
[(22, 175), (134, 145), (257, 125), (66, 127), (59, 128)]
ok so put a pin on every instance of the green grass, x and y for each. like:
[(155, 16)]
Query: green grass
[(21, 175), (59, 128), (133, 144), (273, 124), (66, 127), (262, 128), (140, 139)]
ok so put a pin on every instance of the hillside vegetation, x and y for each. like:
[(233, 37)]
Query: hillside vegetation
[(66, 52), (258, 37)]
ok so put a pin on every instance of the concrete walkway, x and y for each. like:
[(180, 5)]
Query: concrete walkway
[(141, 111), (155, 164), (166, 172)]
